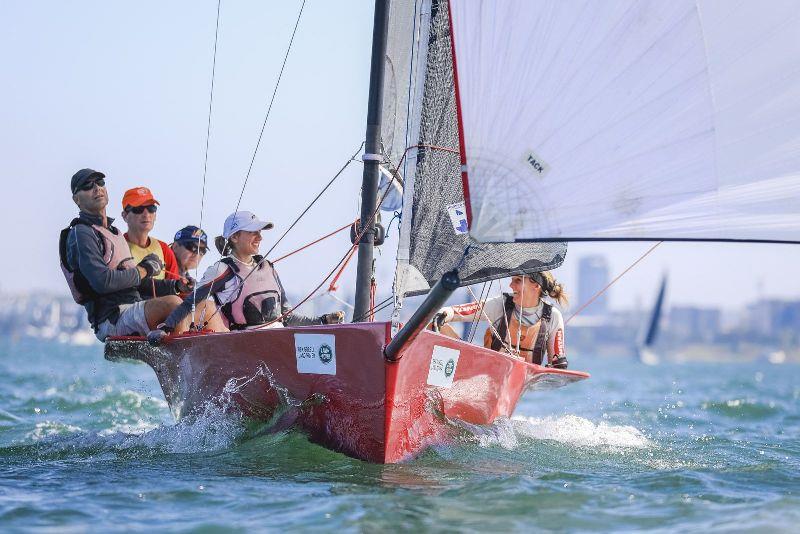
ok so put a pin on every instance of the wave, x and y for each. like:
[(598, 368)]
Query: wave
[(742, 408), (581, 432), (570, 430)]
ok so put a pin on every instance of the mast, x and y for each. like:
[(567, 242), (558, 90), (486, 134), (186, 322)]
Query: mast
[(372, 158)]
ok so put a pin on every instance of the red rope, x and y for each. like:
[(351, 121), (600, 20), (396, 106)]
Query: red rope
[(333, 287), (357, 239), (373, 288), (348, 225)]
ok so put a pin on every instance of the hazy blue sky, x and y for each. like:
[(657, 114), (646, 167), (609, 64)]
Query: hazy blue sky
[(123, 88)]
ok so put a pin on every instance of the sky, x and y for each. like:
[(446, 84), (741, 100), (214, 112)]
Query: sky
[(123, 87)]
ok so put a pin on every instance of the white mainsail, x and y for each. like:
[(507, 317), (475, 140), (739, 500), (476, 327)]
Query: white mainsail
[(421, 122), (630, 119)]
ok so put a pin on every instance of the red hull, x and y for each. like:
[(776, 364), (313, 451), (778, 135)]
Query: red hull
[(357, 402)]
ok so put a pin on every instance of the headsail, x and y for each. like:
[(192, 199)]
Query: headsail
[(434, 228), (630, 119)]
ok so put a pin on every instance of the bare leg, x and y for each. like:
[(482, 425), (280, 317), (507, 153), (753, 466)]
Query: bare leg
[(156, 310), (207, 310)]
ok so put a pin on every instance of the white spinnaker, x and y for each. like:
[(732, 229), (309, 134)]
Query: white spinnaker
[(630, 119)]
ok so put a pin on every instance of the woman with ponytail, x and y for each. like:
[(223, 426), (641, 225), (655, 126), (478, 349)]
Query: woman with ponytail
[(522, 323)]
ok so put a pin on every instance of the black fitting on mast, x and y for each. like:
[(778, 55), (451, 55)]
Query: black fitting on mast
[(369, 184), (449, 282)]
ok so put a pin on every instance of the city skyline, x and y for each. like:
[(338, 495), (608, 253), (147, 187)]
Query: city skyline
[(134, 105)]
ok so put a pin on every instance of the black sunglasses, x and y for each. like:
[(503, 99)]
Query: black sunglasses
[(138, 210), (193, 248), (88, 186)]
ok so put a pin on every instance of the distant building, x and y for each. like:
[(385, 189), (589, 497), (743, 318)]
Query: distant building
[(692, 324), (773, 319), (592, 278)]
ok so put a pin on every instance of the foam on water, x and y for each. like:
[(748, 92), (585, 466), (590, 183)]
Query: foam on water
[(578, 431), (568, 429), (217, 428)]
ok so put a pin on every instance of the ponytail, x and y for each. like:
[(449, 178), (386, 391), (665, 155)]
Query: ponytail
[(223, 245), (551, 287)]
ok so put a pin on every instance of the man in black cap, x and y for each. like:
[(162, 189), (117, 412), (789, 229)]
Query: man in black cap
[(97, 263), (190, 245)]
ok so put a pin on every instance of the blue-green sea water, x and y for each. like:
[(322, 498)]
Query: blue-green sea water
[(88, 445)]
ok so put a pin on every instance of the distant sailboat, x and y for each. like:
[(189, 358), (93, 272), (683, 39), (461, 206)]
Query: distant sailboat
[(645, 345)]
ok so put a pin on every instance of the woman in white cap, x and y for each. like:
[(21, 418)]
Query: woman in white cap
[(244, 284)]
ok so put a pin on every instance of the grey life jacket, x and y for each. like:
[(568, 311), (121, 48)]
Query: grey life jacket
[(116, 255), (259, 298), (540, 345)]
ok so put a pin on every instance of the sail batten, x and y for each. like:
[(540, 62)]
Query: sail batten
[(630, 119)]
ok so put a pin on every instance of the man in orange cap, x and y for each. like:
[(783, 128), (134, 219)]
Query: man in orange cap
[(139, 212)]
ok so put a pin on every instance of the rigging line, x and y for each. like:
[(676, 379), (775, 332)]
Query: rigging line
[(347, 164), (612, 282), (348, 225), (205, 156), (519, 317), (342, 301), (208, 124), (360, 234), (491, 325), (473, 324), (476, 319), (332, 286), (378, 307), (271, 102), (432, 147), (414, 55), (363, 230)]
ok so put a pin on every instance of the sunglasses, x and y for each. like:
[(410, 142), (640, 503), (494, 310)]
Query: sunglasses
[(88, 186), (138, 210), (194, 249)]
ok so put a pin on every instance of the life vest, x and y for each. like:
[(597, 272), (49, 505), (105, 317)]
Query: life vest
[(259, 298), (116, 255), (154, 247), (532, 339)]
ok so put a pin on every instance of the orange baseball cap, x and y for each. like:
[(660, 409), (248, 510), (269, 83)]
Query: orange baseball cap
[(138, 196)]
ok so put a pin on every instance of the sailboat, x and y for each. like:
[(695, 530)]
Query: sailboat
[(517, 126), (645, 344)]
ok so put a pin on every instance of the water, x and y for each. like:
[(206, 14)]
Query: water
[(90, 445)]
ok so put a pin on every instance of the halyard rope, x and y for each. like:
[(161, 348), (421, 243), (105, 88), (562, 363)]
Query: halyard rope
[(205, 157), (272, 101)]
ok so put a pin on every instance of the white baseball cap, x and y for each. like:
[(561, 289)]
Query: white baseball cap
[(243, 220)]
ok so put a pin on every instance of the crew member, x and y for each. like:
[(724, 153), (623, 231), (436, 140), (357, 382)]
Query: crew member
[(244, 284), (101, 272), (521, 322), (139, 209), (189, 246)]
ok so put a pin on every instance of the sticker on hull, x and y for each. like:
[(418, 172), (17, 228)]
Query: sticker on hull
[(444, 361), (315, 353)]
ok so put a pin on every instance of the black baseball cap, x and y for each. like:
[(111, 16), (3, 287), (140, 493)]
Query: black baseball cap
[(191, 234), (83, 176)]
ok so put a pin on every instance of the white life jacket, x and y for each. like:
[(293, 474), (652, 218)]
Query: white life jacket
[(116, 255), (258, 300)]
